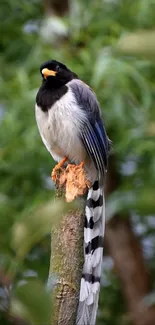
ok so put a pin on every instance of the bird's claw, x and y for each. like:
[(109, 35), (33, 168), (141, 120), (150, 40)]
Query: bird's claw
[(57, 168)]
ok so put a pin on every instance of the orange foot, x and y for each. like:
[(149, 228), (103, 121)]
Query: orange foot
[(57, 168)]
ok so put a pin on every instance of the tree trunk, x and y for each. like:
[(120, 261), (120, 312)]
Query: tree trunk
[(58, 7), (66, 267)]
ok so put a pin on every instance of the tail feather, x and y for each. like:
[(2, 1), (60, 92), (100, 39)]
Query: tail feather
[(94, 309), (89, 234), (93, 252)]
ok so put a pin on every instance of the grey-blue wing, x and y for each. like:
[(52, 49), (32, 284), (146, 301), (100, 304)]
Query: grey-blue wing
[(92, 133)]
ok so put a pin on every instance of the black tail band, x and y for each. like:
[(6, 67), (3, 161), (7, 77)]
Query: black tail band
[(90, 278), (96, 186), (93, 204), (90, 223), (94, 244)]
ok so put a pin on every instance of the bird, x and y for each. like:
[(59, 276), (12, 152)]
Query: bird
[(70, 123)]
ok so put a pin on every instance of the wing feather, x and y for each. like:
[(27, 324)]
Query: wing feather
[(92, 132), (94, 148)]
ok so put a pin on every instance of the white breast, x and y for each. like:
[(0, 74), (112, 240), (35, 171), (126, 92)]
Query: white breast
[(59, 128)]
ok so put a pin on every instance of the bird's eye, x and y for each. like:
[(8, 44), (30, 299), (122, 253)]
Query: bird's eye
[(57, 68)]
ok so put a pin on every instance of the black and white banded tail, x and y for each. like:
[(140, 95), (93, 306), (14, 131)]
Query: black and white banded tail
[(93, 252)]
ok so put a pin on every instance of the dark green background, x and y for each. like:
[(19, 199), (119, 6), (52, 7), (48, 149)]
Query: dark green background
[(93, 41)]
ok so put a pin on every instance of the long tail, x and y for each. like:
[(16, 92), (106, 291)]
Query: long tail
[(93, 252)]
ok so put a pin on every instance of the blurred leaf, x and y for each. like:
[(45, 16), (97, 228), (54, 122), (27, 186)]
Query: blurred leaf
[(149, 300), (33, 227), (141, 201), (31, 302), (139, 43)]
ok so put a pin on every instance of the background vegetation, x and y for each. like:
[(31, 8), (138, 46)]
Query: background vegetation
[(110, 44)]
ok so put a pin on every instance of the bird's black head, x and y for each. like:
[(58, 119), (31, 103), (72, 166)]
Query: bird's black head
[(56, 74)]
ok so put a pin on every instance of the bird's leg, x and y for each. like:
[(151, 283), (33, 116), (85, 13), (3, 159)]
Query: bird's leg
[(57, 167)]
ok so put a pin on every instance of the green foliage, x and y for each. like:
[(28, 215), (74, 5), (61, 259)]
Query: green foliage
[(101, 52), (34, 307), (35, 225)]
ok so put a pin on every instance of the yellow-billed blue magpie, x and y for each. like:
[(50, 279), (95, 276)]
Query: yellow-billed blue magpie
[(70, 124)]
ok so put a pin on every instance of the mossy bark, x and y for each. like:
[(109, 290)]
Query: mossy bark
[(66, 267)]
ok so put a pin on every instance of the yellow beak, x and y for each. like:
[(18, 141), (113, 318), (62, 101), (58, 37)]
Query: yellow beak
[(46, 72)]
